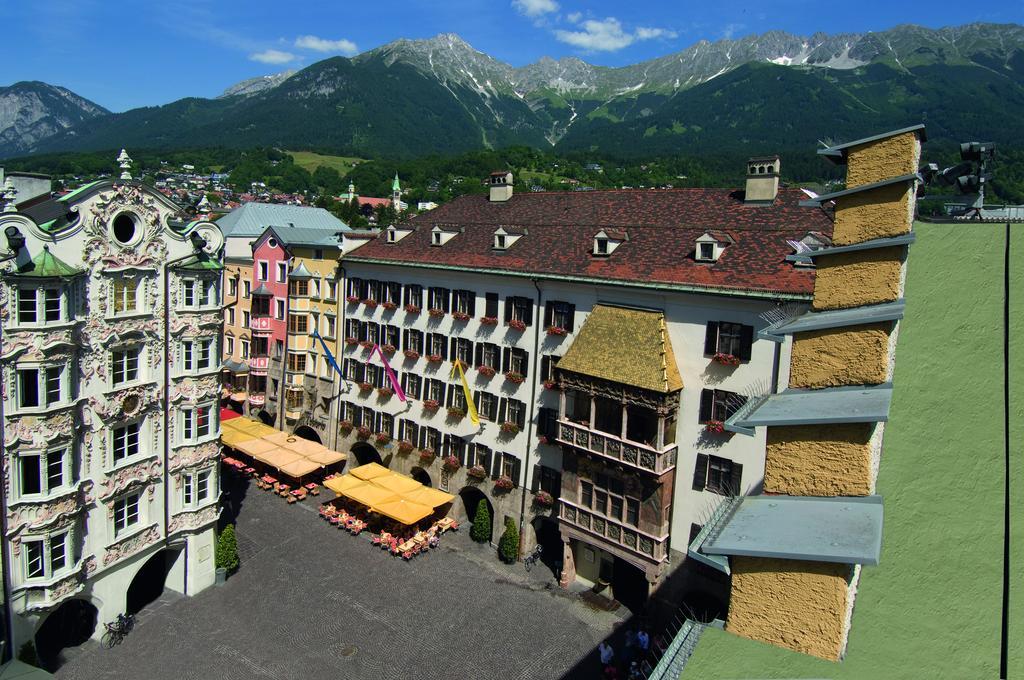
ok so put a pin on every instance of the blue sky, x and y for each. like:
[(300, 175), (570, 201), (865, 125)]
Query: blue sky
[(123, 54)]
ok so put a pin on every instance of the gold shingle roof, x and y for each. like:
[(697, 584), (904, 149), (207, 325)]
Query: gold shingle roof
[(627, 346)]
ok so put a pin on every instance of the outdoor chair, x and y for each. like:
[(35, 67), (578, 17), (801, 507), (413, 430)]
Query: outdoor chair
[(291, 499)]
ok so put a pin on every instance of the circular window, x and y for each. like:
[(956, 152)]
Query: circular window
[(272, 242), (125, 228)]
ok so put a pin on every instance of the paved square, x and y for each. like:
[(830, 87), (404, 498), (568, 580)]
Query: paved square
[(312, 601)]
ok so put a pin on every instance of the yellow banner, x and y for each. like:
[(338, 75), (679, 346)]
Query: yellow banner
[(470, 406)]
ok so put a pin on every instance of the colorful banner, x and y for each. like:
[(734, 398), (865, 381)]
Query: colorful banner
[(470, 406), (330, 357), (391, 374)]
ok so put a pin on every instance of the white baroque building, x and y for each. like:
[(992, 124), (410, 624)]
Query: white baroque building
[(110, 452)]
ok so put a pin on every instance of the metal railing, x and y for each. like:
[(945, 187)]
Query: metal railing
[(634, 454)]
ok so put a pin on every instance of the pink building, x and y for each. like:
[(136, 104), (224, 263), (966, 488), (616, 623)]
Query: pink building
[(269, 318)]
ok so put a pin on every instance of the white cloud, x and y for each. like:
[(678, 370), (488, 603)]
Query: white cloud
[(574, 17), (731, 30), (535, 8), (273, 57), (311, 42), (607, 35)]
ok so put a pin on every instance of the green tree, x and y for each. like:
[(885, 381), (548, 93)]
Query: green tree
[(227, 549), (481, 531), (508, 547)]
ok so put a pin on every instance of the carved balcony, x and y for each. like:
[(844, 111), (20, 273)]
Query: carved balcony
[(258, 363), (608, 446), (615, 536)]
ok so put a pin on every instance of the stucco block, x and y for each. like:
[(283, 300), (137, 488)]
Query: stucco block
[(833, 357), (875, 213), (866, 277), (819, 460), (883, 159), (797, 605)]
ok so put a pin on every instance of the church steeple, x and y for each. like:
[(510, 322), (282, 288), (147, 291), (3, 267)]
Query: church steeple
[(396, 194)]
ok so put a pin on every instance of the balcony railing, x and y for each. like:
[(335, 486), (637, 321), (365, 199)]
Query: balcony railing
[(257, 398), (260, 323), (259, 363), (613, 532), (634, 454)]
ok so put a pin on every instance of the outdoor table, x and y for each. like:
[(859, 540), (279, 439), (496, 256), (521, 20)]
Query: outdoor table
[(269, 480), (299, 493)]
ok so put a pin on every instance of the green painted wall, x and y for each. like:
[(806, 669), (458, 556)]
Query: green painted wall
[(931, 608)]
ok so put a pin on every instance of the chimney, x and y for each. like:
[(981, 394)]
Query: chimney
[(762, 180), (501, 186)]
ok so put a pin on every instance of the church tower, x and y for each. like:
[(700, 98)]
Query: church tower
[(396, 195)]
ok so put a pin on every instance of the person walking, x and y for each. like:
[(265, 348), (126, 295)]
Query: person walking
[(607, 654), (629, 648), (643, 641)]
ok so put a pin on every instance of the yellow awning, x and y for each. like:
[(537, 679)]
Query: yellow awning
[(426, 495), (256, 447), (233, 438), (278, 457), (397, 483), (299, 468), (404, 511), (369, 495), (327, 457), (369, 471), (343, 483)]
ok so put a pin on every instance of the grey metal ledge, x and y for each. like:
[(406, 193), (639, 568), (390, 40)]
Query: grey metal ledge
[(824, 198), (835, 318), (837, 153), (873, 244), (843, 529), (721, 513), (833, 405)]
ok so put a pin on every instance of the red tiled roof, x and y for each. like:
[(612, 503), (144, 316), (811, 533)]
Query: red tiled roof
[(663, 227)]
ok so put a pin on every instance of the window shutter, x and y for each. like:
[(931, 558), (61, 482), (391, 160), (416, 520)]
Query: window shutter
[(544, 421), (736, 479), (549, 311), (405, 338), (462, 455), (509, 304), (485, 459), (746, 342), (448, 398), (545, 367), (496, 464), (478, 356), (506, 352), (711, 338), (454, 351), (445, 299), (700, 473), (476, 400), (521, 419), (472, 303), (442, 392), (491, 308), (572, 319), (707, 400), (535, 479), (526, 362), (529, 311), (502, 409), (517, 466)]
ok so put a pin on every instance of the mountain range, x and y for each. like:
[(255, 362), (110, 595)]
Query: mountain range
[(762, 93)]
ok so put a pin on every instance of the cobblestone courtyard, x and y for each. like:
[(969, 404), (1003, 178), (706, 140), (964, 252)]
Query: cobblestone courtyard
[(311, 601)]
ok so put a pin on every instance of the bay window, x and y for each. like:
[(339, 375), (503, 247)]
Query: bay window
[(46, 556)]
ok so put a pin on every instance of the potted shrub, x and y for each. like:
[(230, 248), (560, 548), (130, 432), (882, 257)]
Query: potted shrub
[(427, 455), (352, 299), (351, 342), (412, 309), (485, 371), (436, 313), (365, 387), (390, 306), (481, 531), (726, 359), (456, 413), (550, 384), (488, 321), (508, 546), (388, 349), (544, 499), (514, 377), (363, 433), (385, 392), (451, 464), (382, 438), (508, 427), (556, 330), (460, 316), (716, 426), (517, 324), (504, 483), (345, 427), (430, 404), (405, 447), (366, 344), (226, 551), (412, 354), (434, 358), (370, 303), (477, 472)]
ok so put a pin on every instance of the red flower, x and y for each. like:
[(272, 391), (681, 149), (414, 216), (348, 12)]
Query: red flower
[(352, 299), (543, 498), (550, 384), (426, 455), (726, 359), (514, 377), (370, 303), (411, 354), (390, 306), (363, 433), (508, 427), (517, 324), (434, 358), (456, 413), (488, 321), (556, 330), (412, 309), (385, 392), (352, 341), (388, 349), (365, 387), (366, 344), (431, 404), (504, 482), (436, 313), (485, 370), (716, 426), (477, 471), (460, 316), (345, 426), (382, 438), (405, 446), (451, 464)]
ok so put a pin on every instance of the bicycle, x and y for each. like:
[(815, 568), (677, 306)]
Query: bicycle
[(117, 630), (533, 558)]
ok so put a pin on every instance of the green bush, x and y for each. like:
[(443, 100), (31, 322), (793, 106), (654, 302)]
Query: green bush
[(508, 547), (227, 549), (481, 531), (27, 654)]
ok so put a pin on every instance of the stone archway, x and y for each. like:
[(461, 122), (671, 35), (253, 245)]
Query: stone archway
[(69, 625), (471, 497), (148, 583), (421, 476), (306, 432), (366, 453), (547, 536)]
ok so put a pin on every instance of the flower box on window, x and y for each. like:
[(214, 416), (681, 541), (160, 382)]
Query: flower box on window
[(363, 433), (451, 464), (477, 472), (411, 354), (556, 330), (544, 499), (427, 455), (517, 324), (370, 303), (434, 358), (351, 342), (504, 483), (550, 384), (431, 404), (412, 309), (365, 387), (366, 344), (456, 413), (508, 427), (436, 313), (488, 321), (716, 426), (382, 438), (405, 446), (514, 377), (390, 306), (388, 349), (485, 371), (460, 316), (345, 427), (352, 299), (385, 392), (543, 439), (726, 359)]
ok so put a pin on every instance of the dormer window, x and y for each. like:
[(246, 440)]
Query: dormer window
[(600, 246), (439, 236), (711, 245), (707, 251), (503, 239), (607, 240), (499, 242), (391, 236), (435, 238)]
